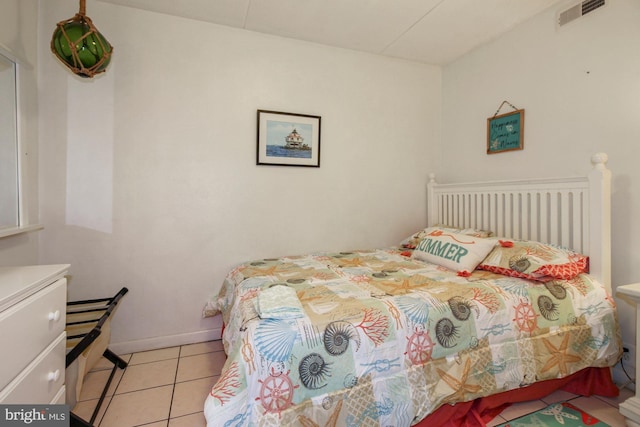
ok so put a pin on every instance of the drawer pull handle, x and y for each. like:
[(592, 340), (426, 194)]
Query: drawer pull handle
[(55, 315), (54, 376)]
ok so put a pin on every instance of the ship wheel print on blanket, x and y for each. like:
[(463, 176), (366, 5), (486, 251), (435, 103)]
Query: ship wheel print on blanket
[(526, 318), (419, 346), (276, 392)]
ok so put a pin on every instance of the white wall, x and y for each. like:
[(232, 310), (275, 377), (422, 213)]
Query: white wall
[(151, 182), (18, 33), (580, 88)]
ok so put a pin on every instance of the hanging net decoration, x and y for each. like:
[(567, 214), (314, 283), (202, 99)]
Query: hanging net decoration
[(80, 46)]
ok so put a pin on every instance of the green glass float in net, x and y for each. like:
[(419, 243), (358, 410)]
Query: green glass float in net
[(80, 46)]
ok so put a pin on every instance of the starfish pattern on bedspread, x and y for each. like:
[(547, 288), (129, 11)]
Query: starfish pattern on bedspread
[(559, 356), (460, 386)]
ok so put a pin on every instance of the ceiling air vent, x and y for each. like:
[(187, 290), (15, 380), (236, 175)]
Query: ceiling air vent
[(579, 10)]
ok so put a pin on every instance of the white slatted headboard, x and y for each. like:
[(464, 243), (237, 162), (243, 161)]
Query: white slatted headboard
[(570, 212)]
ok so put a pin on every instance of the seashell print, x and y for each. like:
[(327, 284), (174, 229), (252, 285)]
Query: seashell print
[(556, 289), (274, 339), (519, 263), (380, 275), (337, 336), (548, 308), (327, 403), (460, 308), (313, 371), (446, 333), (350, 381), (416, 309)]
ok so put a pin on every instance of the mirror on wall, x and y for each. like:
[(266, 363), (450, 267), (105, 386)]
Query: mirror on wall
[(9, 182)]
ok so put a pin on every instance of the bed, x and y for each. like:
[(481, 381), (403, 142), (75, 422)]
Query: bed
[(447, 328)]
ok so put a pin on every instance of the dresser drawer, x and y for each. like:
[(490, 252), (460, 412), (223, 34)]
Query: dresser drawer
[(29, 326), (59, 398), (42, 380)]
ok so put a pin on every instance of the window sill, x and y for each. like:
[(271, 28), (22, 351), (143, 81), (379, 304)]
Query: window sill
[(19, 230)]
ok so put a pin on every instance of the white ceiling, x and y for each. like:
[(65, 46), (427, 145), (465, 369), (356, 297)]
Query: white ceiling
[(430, 31)]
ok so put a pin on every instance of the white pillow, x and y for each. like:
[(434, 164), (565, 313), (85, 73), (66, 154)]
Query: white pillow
[(413, 240), (455, 251)]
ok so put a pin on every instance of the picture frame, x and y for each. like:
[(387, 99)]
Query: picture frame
[(505, 132), (288, 139)]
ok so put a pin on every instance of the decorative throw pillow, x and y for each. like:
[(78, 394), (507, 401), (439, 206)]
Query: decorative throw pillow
[(279, 302), (535, 261), (413, 240), (456, 251)]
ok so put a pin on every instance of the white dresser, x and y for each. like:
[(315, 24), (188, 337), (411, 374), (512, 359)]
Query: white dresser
[(33, 303), (630, 408)]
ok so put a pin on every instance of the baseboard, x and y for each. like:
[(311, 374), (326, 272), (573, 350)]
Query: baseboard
[(155, 343)]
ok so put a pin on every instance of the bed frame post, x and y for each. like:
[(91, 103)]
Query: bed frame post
[(600, 220), (432, 204)]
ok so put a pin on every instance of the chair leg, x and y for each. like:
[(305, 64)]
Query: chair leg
[(115, 359), (118, 362), (76, 421)]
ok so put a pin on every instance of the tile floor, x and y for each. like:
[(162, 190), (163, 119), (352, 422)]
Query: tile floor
[(159, 388), (167, 388)]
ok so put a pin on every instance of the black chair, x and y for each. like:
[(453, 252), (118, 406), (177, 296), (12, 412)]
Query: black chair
[(85, 320)]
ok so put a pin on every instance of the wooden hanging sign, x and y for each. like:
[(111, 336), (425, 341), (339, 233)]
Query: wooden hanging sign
[(505, 132)]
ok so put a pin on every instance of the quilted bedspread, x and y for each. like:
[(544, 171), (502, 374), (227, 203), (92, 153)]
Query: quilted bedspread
[(382, 339)]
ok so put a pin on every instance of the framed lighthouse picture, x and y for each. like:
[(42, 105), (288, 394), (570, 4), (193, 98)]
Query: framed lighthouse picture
[(288, 139)]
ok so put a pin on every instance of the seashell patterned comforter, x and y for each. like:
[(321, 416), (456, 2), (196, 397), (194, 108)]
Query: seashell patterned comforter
[(385, 339)]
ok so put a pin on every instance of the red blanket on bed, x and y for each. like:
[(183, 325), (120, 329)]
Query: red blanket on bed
[(477, 413)]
